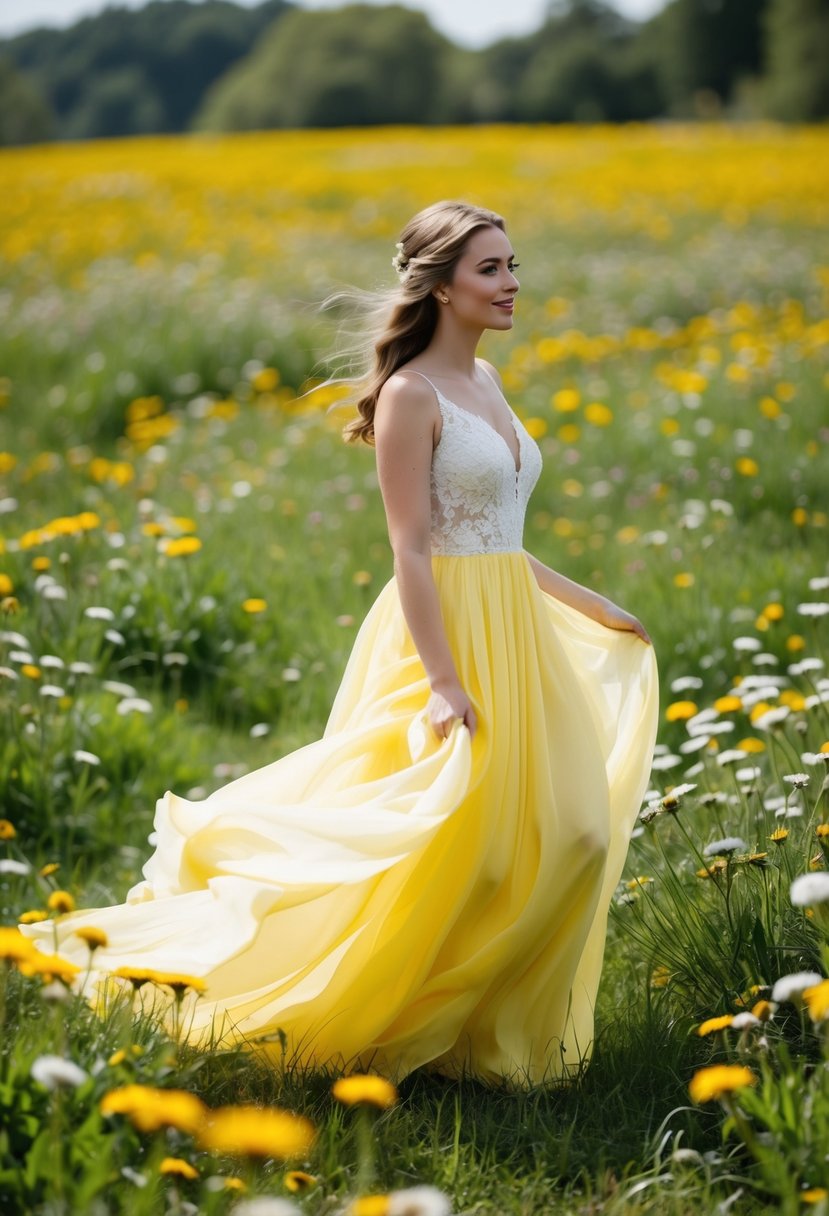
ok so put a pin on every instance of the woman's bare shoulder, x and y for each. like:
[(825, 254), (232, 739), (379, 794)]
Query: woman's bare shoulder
[(492, 369), (407, 397)]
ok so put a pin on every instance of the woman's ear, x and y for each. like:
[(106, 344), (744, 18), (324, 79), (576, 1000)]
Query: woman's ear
[(440, 295)]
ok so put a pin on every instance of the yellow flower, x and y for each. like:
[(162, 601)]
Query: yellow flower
[(598, 414), (817, 1001), (92, 936), (718, 1023), (178, 1167), (717, 866), (762, 1010), (569, 433), (773, 612), (815, 1194), (536, 427), (180, 546), (298, 1181), (718, 1080), (31, 670), (33, 916), (566, 400), (149, 1109), (660, 976), (6, 585), (253, 1131), (49, 869), (60, 902), (361, 578), (376, 1091), (136, 975), (680, 710), (234, 1184), (822, 830), (796, 642), (254, 605), (779, 835), (179, 983), (371, 1205), (751, 745), (49, 967), (727, 705), (14, 947), (265, 380), (684, 579), (7, 830)]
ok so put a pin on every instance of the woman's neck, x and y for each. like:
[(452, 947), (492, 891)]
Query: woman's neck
[(451, 352)]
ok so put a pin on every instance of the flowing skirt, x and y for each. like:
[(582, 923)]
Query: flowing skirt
[(382, 898)]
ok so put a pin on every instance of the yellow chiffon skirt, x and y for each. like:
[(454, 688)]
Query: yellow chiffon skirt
[(384, 899)]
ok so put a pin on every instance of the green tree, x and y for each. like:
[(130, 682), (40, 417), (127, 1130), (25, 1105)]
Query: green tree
[(25, 116), (708, 47), (355, 66), (797, 83)]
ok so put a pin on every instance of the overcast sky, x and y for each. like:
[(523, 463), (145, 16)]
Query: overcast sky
[(472, 22)]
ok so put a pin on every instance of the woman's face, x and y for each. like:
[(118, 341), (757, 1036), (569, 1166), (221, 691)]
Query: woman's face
[(483, 287)]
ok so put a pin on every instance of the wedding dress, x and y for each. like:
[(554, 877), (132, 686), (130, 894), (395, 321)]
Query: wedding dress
[(385, 899)]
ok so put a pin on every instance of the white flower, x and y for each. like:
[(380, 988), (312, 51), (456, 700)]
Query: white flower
[(678, 791), (789, 986), (51, 690), (80, 668), (741, 1021), (54, 591), (97, 612), (772, 717), (134, 703), (419, 1201), (815, 758), (661, 763), (728, 844), (291, 674), (85, 757), (798, 780), (265, 1205), (814, 609), (808, 889), (696, 744), (8, 865), (747, 643), (748, 774), (112, 635), (51, 660), (805, 666), (683, 683), (119, 688), (731, 756), (16, 639), (53, 1071), (259, 729), (133, 1176)]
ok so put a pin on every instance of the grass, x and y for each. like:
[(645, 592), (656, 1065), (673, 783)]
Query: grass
[(152, 350)]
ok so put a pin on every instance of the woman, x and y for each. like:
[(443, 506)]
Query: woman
[(428, 884)]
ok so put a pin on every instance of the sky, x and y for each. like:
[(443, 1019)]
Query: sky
[(469, 22)]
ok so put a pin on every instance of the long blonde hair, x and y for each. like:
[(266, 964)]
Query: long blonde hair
[(402, 322)]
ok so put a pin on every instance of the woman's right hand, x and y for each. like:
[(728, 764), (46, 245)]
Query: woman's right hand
[(447, 704)]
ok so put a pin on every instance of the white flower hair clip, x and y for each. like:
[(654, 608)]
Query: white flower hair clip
[(400, 262)]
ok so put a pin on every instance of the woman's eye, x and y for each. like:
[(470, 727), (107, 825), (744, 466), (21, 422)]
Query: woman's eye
[(513, 266)]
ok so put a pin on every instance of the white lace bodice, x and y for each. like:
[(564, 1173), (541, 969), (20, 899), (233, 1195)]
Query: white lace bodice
[(479, 498)]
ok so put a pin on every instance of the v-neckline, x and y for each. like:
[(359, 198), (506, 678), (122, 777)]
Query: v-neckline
[(516, 468)]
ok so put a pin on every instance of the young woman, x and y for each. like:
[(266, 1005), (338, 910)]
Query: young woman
[(428, 884)]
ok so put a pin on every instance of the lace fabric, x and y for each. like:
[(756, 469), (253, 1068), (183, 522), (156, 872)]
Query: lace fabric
[(479, 497)]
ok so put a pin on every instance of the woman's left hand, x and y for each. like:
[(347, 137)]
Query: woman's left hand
[(615, 617)]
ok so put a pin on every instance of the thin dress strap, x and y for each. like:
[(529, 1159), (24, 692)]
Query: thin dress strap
[(484, 368), (426, 378)]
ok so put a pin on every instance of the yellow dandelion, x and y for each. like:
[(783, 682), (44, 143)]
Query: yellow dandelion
[(234, 1184), (773, 612), (718, 1080), (373, 1090), (254, 605), (371, 1205), (713, 1024), (14, 947), (49, 967), (815, 1194), (178, 1167), (566, 400), (92, 936), (684, 579), (7, 830), (137, 976), (751, 745), (717, 866), (265, 380), (816, 999), (800, 517), (598, 414), (779, 835), (181, 546), (178, 982), (792, 698), (679, 711), (660, 976), (254, 1131), (33, 917), (9, 604), (569, 433), (361, 578), (762, 1010), (822, 830), (60, 902), (149, 1109), (728, 705), (49, 869), (746, 466), (6, 585), (298, 1181), (31, 670)]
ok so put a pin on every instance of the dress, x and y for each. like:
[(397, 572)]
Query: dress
[(384, 899)]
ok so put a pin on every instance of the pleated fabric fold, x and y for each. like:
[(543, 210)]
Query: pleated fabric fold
[(384, 899)]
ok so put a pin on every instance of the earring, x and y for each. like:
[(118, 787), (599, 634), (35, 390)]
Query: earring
[(444, 299)]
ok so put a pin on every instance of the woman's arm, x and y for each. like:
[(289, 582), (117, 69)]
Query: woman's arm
[(404, 435), (596, 606)]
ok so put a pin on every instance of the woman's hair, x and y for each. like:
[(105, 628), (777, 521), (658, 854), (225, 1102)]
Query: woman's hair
[(402, 322)]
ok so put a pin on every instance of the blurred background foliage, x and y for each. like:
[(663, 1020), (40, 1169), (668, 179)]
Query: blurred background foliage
[(178, 65)]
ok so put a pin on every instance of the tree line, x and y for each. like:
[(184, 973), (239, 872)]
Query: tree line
[(177, 65)]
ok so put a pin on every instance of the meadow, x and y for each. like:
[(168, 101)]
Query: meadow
[(188, 547)]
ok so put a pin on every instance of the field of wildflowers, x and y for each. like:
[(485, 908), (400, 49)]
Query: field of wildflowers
[(187, 549)]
